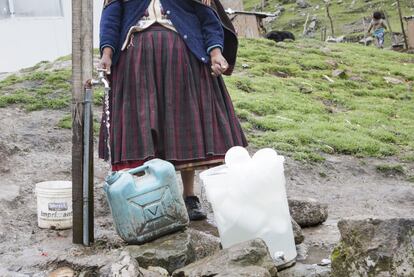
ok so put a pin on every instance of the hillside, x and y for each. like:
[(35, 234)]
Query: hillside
[(286, 102), (347, 14), (284, 99)]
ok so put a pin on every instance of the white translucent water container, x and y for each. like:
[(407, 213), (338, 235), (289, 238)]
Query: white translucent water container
[(248, 197), (54, 204)]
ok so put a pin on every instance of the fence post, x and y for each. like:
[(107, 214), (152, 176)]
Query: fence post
[(82, 67)]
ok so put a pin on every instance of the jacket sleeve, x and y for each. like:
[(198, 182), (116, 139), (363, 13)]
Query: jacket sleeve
[(211, 27), (110, 26)]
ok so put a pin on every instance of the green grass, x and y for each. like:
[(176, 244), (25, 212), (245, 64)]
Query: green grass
[(66, 123), (365, 118), (391, 169), (285, 102), (36, 90), (342, 14)]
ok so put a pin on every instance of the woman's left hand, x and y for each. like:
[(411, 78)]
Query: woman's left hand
[(219, 64), (206, 2)]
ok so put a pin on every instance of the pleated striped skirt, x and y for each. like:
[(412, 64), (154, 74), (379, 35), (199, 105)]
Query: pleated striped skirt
[(164, 103)]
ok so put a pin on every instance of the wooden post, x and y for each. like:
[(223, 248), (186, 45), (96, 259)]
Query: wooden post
[(365, 31), (330, 18), (82, 65), (393, 39), (323, 33), (402, 24), (305, 25)]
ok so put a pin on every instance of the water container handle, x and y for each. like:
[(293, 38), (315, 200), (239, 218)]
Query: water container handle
[(138, 169)]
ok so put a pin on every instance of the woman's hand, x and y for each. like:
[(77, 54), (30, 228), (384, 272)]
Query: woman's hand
[(206, 2), (218, 63), (106, 60)]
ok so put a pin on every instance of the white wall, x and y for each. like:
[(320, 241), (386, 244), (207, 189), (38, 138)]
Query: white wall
[(27, 41)]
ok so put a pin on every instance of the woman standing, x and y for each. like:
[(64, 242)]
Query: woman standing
[(168, 99)]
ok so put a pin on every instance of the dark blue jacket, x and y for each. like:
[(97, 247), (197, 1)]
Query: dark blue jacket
[(197, 24)]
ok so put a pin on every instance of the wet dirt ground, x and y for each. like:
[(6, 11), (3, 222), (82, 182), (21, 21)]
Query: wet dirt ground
[(33, 149)]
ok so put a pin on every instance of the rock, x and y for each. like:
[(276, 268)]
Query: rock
[(302, 252), (246, 258), (169, 252), (307, 211), (325, 262), (88, 273), (297, 232), (125, 266), (269, 20), (312, 25), (339, 73), (161, 271), (281, 74), (366, 41), (306, 270), (374, 247), (305, 88), (148, 273), (393, 81), (62, 272), (203, 244), (302, 4), (356, 79), (335, 39), (248, 271), (281, 8), (332, 63), (176, 250)]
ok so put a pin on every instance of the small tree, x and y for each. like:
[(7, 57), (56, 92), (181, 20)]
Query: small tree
[(327, 4)]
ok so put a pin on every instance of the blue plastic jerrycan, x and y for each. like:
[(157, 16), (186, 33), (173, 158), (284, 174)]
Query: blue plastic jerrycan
[(147, 207)]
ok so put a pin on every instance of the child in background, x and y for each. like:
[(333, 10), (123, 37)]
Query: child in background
[(378, 26)]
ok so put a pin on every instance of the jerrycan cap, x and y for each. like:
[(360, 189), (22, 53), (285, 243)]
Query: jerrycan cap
[(111, 178)]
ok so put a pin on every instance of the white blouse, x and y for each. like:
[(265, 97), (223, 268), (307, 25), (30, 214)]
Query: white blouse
[(153, 14)]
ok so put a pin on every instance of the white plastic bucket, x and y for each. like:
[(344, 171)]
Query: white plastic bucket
[(54, 204)]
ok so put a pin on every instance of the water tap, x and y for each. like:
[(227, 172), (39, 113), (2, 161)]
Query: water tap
[(101, 78)]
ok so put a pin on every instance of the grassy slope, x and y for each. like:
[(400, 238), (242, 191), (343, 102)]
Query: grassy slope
[(300, 114), (364, 117), (342, 14)]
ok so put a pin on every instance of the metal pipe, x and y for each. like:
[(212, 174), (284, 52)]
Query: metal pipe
[(86, 138), (86, 154)]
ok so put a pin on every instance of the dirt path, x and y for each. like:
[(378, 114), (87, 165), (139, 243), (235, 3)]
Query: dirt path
[(32, 150)]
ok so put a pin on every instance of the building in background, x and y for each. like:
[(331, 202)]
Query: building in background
[(36, 30), (410, 31)]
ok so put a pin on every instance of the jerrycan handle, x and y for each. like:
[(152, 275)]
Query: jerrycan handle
[(138, 169)]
